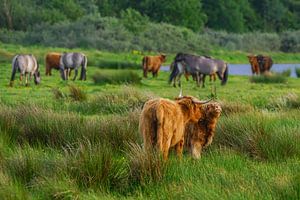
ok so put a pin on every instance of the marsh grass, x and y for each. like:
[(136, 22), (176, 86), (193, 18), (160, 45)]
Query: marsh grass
[(77, 94), (122, 101), (94, 166), (58, 94), (286, 72), (146, 167), (288, 101), (298, 72), (273, 78), (120, 77), (235, 108), (259, 136)]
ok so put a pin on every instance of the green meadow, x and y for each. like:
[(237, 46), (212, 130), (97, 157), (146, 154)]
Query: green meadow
[(80, 139)]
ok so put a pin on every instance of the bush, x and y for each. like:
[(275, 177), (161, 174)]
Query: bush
[(273, 78), (120, 77), (298, 72), (77, 94)]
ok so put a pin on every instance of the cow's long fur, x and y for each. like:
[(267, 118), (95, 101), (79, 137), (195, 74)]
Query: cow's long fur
[(254, 64), (200, 135), (52, 62), (162, 123), (152, 64)]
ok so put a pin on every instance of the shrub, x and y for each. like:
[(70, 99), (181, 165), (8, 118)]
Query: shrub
[(298, 72), (273, 78), (286, 73), (145, 166), (260, 136), (120, 77), (58, 94), (93, 166), (77, 94)]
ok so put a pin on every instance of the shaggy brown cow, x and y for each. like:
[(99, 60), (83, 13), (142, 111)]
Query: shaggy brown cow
[(52, 61), (254, 64), (153, 64), (265, 63), (200, 135), (162, 122)]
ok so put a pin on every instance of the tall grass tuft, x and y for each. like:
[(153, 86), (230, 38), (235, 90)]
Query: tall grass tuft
[(235, 107), (298, 72), (259, 136), (286, 73), (146, 167), (288, 101), (122, 101), (77, 94), (58, 94), (273, 78), (120, 77), (93, 166)]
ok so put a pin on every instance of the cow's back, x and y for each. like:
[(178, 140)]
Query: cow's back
[(53, 59)]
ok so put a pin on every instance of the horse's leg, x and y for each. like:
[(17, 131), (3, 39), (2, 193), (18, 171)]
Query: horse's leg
[(66, 74), (26, 79), (76, 73), (203, 81)]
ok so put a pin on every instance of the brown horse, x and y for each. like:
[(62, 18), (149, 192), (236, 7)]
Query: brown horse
[(265, 63), (254, 64), (153, 64)]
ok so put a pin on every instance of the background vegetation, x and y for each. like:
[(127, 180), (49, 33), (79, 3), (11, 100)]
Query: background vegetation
[(191, 26)]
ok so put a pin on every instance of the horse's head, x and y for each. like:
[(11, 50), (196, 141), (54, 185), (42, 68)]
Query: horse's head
[(179, 57), (37, 77)]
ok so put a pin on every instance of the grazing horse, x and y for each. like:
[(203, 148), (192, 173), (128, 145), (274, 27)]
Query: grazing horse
[(152, 64), (69, 61), (25, 64), (198, 66), (254, 64), (265, 63)]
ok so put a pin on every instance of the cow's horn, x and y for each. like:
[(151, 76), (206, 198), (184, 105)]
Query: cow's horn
[(202, 102)]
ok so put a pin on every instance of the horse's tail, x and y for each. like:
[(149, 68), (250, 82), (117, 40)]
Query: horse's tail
[(83, 68), (174, 72), (225, 75), (15, 66)]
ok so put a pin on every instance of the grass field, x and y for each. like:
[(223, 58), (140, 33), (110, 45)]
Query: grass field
[(56, 146)]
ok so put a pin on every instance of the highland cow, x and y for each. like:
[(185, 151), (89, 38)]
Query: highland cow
[(200, 135), (162, 122), (153, 64), (52, 62)]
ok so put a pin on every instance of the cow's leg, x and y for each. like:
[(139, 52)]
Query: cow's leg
[(145, 73), (179, 148), (165, 149)]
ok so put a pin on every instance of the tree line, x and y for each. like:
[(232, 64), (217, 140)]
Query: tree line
[(238, 16)]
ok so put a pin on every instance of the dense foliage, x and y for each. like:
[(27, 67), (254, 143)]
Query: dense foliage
[(229, 15)]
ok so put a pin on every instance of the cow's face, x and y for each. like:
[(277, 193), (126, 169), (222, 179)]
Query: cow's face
[(191, 106), (213, 110), (163, 57)]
